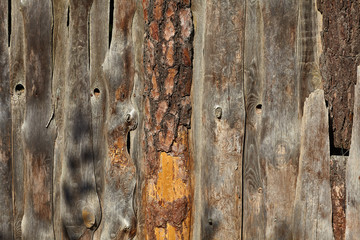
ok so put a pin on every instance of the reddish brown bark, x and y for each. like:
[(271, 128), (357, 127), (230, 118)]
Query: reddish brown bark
[(168, 74)]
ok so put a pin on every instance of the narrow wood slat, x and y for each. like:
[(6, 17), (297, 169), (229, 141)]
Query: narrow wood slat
[(352, 173), (312, 217), (6, 206)]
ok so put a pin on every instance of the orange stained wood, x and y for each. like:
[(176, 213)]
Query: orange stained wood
[(168, 188)]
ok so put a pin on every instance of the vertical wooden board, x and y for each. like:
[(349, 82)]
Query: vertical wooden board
[(197, 146), (17, 112), (136, 151), (352, 173), (312, 217), (279, 137), (99, 44), (166, 193), (60, 45), (6, 207), (80, 207), (37, 134), (222, 114), (119, 173), (254, 213)]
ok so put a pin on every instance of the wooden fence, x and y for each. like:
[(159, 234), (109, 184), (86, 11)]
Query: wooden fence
[(179, 119)]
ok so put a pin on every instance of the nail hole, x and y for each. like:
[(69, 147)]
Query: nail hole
[(258, 108), (19, 88), (96, 92)]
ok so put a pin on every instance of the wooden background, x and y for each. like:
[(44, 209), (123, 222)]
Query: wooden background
[(179, 119)]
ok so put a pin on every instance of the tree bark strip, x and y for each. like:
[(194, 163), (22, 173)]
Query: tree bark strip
[(119, 181), (38, 135), (312, 211), (6, 207), (222, 113), (80, 207), (352, 173), (167, 191)]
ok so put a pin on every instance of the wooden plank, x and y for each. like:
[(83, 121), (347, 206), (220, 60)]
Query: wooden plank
[(6, 207), (17, 112), (38, 135), (80, 207), (166, 193), (254, 213), (119, 173), (221, 112), (99, 44), (281, 69), (61, 16), (136, 151), (352, 173), (312, 217)]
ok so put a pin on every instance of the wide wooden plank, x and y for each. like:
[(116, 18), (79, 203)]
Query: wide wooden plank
[(80, 207), (352, 173), (38, 135), (6, 207), (166, 193), (312, 217), (220, 115), (119, 173)]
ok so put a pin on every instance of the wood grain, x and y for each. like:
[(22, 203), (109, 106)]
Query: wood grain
[(119, 176), (80, 207), (312, 212), (352, 230), (37, 135), (221, 112), (6, 207)]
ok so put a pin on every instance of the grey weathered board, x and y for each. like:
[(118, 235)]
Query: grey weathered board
[(219, 117), (353, 173), (178, 119)]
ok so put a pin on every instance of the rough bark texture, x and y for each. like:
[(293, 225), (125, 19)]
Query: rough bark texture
[(341, 56), (166, 193), (178, 119), (338, 195)]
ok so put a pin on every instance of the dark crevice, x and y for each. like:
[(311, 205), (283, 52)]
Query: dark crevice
[(111, 20), (19, 88), (335, 151), (89, 39), (128, 144), (9, 22), (68, 17)]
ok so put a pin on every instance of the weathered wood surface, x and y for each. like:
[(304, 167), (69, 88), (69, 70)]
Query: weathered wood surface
[(219, 118), (37, 134), (312, 211), (222, 148), (6, 207), (119, 220), (352, 173), (80, 206)]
